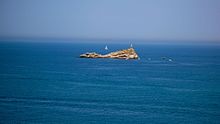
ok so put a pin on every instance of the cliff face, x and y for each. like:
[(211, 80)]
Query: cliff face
[(122, 54)]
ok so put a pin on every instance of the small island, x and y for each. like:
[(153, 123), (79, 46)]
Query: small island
[(121, 54)]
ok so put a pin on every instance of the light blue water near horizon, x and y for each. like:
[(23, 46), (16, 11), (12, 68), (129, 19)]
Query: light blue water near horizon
[(49, 83)]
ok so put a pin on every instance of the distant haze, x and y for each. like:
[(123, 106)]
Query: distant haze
[(177, 20)]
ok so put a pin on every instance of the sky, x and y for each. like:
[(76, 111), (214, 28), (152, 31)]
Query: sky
[(158, 20)]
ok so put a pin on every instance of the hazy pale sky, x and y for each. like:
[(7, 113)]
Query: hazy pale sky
[(178, 20)]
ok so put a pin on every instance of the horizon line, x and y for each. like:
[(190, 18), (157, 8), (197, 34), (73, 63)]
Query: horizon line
[(108, 40)]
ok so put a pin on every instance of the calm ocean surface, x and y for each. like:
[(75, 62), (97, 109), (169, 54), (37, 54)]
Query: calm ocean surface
[(49, 83)]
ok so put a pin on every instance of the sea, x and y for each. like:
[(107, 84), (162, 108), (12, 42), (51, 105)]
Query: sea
[(47, 82)]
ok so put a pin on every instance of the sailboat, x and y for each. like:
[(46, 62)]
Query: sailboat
[(131, 45), (106, 48)]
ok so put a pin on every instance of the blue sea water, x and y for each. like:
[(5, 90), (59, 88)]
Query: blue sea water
[(49, 83)]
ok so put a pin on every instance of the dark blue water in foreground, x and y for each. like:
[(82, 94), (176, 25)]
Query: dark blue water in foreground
[(48, 83)]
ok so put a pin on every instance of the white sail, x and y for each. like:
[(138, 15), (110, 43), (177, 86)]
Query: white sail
[(131, 45), (106, 48)]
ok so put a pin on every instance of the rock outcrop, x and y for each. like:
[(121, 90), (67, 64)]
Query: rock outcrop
[(122, 54)]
